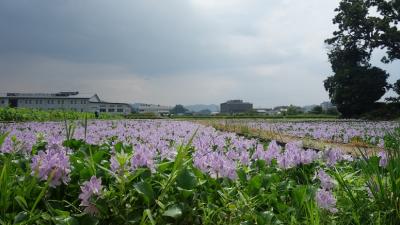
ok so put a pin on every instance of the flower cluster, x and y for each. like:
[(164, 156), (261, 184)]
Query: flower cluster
[(143, 157), (383, 159), (119, 163), (89, 189), (295, 155), (336, 131), (326, 200), (272, 152), (332, 156), (324, 196), (52, 164)]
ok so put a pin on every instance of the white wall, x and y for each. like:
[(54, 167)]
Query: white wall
[(80, 105)]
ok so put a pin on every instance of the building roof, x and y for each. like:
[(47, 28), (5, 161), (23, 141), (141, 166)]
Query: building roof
[(232, 102), (74, 94), (119, 103)]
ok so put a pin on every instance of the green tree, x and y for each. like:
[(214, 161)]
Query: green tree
[(332, 111), (354, 90), (396, 88), (356, 85), (368, 24), (294, 110), (316, 110), (179, 109)]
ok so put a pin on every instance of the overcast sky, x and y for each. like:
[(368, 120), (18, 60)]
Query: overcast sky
[(269, 52)]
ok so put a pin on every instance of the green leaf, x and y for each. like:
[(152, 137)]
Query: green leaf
[(88, 220), (255, 184), (186, 179), (98, 156), (21, 202), (162, 167), (173, 211), (145, 189), (118, 147), (66, 221), (2, 138), (242, 175), (20, 217)]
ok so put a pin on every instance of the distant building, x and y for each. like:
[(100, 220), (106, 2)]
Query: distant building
[(72, 101), (151, 108), (327, 105), (236, 106), (265, 111)]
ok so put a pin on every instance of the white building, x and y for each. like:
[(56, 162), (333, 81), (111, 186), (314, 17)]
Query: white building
[(151, 108), (71, 101)]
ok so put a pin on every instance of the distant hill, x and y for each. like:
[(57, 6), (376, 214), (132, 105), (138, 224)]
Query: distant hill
[(199, 107)]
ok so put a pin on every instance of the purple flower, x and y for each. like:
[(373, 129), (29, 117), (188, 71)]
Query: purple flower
[(332, 156), (381, 143), (273, 151), (53, 164), (89, 189), (326, 181), (119, 163), (143, 157), (291, 157), (383, 159), (326, 200), (259, 153), (308, 156)]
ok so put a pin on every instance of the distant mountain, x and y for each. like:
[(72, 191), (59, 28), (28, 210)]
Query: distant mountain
[(199, 107)]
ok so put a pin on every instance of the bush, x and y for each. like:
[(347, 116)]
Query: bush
[(23, 114), (384, 111)]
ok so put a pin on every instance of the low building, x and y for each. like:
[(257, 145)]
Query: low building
[(71, 101), (264, 111), (151, 108), (113, 107), (236, 106)]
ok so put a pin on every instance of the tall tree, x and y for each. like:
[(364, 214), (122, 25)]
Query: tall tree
[(356, 85)]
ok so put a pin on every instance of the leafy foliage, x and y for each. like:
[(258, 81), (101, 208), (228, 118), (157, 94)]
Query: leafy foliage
[(179, 109), (21, 114), (354, 90)]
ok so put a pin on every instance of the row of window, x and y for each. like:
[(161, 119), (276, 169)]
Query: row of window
[(118, 106), (111, 110), (52, 101)]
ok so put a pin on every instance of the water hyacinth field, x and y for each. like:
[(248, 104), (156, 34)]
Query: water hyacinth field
[(355, 132), (180, 172)]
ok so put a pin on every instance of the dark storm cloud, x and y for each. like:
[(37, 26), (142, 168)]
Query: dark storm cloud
[(151, 37)]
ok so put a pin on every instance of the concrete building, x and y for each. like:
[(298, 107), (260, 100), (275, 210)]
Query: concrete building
[(236, 106), (151, 108), (71, 101)]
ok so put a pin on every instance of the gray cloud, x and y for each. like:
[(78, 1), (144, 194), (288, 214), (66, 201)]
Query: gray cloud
[(265, 51)]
